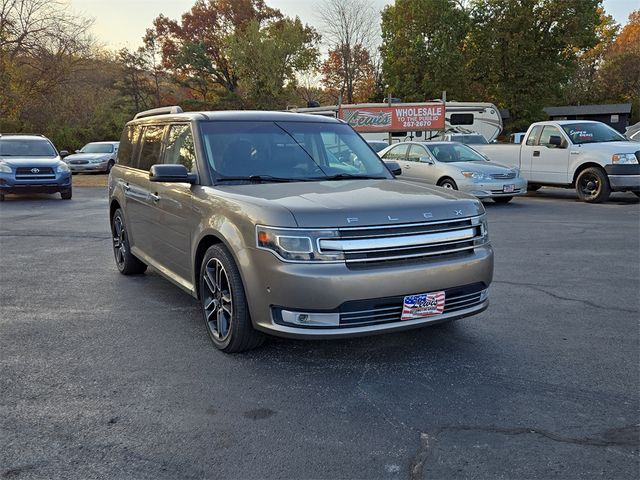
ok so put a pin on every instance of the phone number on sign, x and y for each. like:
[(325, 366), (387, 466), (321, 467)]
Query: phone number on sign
[(406, 123)]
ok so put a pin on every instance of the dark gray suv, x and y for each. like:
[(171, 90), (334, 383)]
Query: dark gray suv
[(290, 224)]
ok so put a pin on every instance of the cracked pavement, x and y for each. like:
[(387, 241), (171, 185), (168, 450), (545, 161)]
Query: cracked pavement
[(104, 376)]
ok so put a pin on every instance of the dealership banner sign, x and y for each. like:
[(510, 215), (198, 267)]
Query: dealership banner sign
[(399, 118)]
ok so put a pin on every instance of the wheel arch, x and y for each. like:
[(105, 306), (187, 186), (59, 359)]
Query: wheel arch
[(445, 177), (113, 206), (208, 240), (582, 167)]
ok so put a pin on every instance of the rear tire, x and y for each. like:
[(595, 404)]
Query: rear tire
[(224, 303), (502, 199), (592, 185), (66, 194), (448, 183), (127, 263)]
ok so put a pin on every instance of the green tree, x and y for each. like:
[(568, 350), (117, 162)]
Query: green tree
[(266, 60), (423, 49), (523, 52)]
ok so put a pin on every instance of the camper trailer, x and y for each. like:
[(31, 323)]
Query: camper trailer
[(460, 117)]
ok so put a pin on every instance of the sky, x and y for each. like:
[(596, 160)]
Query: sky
[(122, 23)]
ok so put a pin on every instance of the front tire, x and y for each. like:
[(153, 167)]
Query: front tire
[(448, 183), (127, 263), (533, 187), (224, 303), (592, 185), (502, 199), (66, 194), (109, 166)]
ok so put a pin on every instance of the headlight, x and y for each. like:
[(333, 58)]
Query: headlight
[(4, 168), (295, 245), (100, 160), (477, 176), (624, 158), (62, 168)]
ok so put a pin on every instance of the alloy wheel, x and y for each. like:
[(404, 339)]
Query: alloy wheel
[(217, 300), (119, 240)]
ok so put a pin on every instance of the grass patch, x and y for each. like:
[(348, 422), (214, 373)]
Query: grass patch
[(90, 180)]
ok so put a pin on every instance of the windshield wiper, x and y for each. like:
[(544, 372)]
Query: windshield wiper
[(260, 179), (349, 176)]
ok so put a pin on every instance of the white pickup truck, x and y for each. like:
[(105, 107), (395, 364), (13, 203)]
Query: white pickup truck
[(589, 156)]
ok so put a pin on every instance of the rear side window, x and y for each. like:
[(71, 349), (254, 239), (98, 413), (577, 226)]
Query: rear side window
[(151, 146), (547, 132), (180, 148), (397, 153), (128, 145)]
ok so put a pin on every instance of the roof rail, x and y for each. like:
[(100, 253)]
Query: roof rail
[(159, 111)]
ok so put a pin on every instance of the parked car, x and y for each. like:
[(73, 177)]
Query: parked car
[(31, 164), (290, 225), (586, 155), (517, 137), (94, 157), (466, 138), (456, 166), (377, 145)]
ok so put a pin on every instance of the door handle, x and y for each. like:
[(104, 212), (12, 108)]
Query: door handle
[(536, 153), (155, 197), (126, 187)]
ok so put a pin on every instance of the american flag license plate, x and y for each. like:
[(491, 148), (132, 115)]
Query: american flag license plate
[(422, 305)]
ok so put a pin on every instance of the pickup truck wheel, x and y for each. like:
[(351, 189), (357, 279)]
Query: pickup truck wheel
[(448, 184), (592, 185), (126, 262), (502, 199), (224, 304), (533, 187)]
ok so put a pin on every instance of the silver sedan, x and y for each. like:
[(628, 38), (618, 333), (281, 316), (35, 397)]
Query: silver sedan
[(456, 166)]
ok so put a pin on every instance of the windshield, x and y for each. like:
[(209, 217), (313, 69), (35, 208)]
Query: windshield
[(26, 147), (451, 152), (97, 148), (469, 139), (288, 151), (591, 133)]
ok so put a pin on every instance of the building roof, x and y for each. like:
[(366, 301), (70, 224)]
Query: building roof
[(588, 109)]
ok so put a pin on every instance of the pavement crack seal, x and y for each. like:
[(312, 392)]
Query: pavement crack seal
[(539, 288), (589, 441), (368, 399), (417, 465)]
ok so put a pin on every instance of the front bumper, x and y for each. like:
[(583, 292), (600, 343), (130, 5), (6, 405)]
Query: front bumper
[(495, 188), (272, 285), (9, 184), (89, 167), (624, 177)]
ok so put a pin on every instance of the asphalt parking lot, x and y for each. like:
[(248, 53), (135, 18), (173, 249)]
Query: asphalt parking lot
[(105, 376)]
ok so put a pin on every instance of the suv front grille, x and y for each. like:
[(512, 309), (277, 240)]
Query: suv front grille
[(35, 173), (367, 246)]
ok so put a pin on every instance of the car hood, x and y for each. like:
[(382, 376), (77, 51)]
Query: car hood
[(88, 156), (31, 161), (608, 147), (483, 167), (353, 203)]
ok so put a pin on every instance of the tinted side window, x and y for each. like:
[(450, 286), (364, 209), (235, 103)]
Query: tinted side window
[(547, 132), (151, 146), (180, 148), (531, 139), (129, 145), (397, 153)]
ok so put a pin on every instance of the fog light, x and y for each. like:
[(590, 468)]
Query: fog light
[(311, 319), (484, 295)]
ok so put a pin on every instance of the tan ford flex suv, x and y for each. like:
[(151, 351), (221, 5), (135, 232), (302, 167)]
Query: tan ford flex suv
[(290, 224)]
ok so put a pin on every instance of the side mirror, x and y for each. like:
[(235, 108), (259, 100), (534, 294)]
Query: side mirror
[(394, 167), (173, 173), (78, 151), (64, 153), (426, 160), (555, 140)]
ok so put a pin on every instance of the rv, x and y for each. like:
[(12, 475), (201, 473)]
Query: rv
[(460, 117)]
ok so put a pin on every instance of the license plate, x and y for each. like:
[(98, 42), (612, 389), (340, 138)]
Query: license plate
[(508, 188), (422, 305)]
